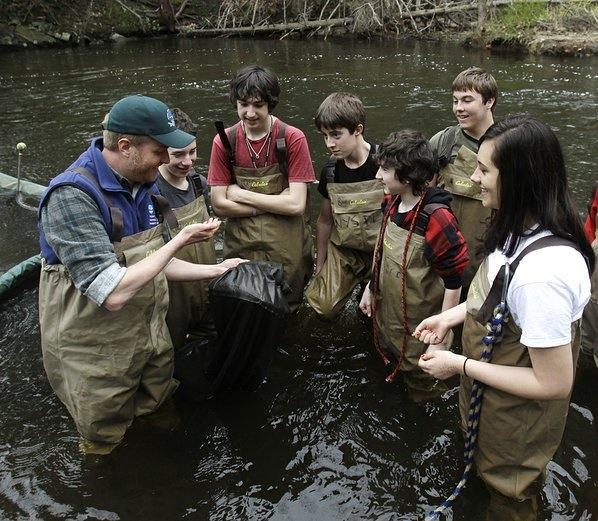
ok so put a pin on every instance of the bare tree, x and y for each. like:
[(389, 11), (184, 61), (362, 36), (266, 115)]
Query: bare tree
[(166, 17)]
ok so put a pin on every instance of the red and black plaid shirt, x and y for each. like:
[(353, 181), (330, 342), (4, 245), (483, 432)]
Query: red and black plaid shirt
[(445, 248)]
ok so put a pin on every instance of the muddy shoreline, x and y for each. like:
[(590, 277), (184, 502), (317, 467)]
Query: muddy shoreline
[(14, 36)]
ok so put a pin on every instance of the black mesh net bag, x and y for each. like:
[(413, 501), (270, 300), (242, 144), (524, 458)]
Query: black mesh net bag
[(249, 311)]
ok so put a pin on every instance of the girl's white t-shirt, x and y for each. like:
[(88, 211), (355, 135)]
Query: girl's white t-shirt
[(548, 291)]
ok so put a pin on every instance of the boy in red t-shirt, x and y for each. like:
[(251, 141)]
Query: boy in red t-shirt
[(589, 324), (259, 171)]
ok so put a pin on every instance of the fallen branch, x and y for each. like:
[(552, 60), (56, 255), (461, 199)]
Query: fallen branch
[(272, 28), (181, 8), (127, 8)]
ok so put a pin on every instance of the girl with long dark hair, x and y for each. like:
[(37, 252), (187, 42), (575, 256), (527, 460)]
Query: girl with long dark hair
[(537, 276)]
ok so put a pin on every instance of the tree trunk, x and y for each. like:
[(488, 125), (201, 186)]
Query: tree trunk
[(482, 13), (167, 18)]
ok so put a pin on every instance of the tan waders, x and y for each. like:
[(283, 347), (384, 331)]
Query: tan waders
[(357, 218), (517, 437), (466, 205), (424, 292), (107, 366), (188, 311), (271, 237), (589, 325)]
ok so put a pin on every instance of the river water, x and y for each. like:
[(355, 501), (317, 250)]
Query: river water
[(325, 438)]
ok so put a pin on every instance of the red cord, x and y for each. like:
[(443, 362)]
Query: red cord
[(376, 279)]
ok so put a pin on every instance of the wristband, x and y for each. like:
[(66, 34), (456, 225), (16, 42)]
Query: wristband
[(253, 212), (465, 362)]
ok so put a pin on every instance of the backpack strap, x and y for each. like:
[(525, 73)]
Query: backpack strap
[(197, 184), (494, 296), (330, 169), (447, 141), (116, 215), (423, 218), (229, 141), (281, 149)]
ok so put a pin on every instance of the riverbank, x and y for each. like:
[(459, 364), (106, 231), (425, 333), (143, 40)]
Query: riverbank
[(565, 29)]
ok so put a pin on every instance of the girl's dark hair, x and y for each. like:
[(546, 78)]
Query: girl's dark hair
[(255, 82), (533, 186), (409, 153)]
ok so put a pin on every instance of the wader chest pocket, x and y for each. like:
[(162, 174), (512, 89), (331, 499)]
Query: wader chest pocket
[(460, 185), (394, 246), (266, 183), (357, 218), (355, 210)]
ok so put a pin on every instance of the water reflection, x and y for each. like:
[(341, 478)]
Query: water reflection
[(325, 437)]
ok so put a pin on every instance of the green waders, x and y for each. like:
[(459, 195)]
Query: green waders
[(188, 312), (589, 325), (466, 205), (517, 437), (424, 292), (271, 237), (107, 366), (357, 218)]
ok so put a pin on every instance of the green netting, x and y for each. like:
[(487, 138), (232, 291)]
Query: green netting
[(8, 185), (18, 274)]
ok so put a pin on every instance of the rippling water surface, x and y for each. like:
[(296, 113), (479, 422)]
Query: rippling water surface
[(325, 437)]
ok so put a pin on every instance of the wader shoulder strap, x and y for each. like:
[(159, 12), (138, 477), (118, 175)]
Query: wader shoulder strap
[(494, 296), (165, 213), (116, 215), (447, 141), (281, 149), (229, 141), (421, 225)]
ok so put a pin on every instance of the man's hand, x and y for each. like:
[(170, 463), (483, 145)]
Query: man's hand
[(198, 232), (228, 264)]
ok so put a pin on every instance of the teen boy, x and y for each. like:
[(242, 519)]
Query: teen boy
[(188, 317), (419, 260), (474, 99), (350, 217), (259, 171)]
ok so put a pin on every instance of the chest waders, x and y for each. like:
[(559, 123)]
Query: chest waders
[(270, 237), (466, 205), (188, 309), (107, 366), (509, 439), (356, 224), (405, 291)]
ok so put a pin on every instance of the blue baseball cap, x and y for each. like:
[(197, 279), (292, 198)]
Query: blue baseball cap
[(145, 116)]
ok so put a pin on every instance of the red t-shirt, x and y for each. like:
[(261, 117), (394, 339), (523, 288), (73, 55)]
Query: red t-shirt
[(299, 165), (590, 224)]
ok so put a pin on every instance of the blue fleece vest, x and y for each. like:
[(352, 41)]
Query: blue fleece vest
[(138, 213)]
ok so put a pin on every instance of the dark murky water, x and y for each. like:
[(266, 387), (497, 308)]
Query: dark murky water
[(325, 438)]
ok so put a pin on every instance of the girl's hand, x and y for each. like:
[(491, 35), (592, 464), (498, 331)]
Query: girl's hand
[(432, 330), (366, 302), (441, 364)]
